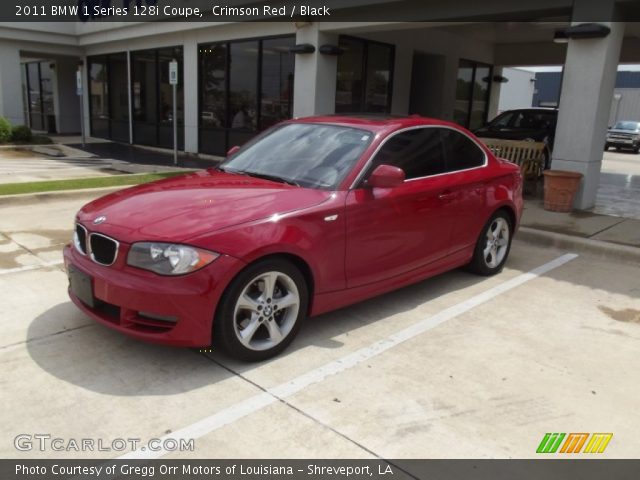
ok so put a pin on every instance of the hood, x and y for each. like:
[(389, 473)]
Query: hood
[(179, 208)]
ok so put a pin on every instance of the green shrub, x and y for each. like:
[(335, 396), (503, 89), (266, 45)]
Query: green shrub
[(21, 134), (5, 130)]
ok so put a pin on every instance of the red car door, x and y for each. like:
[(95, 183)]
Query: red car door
[(390, 231)]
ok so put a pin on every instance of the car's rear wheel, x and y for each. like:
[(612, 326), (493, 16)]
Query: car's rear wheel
[(261, 310), (493, 245)]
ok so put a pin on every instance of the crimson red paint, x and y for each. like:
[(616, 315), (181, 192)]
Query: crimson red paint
[(351, 241)]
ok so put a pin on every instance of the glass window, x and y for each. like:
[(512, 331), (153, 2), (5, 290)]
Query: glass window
[(349, 82), (460, 151), (417, 152), (118, 97), (463, 92), (99, 102), (472, 94), (364, 76), (143, 75), (243, 85), (35, 96), (46, 82), (379, 61), (165, 56), (480, 99), (276, 99), (213, 67)]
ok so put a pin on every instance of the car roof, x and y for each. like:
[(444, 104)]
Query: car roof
[(376, 123)]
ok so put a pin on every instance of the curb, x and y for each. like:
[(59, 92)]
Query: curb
[(587, 245), (27, 198)]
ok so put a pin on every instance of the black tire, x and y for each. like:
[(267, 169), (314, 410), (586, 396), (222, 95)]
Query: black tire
[(606, 147), (636, 150), (479, 263), (231, 319)]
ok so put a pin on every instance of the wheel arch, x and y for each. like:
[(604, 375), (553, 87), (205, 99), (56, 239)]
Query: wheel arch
[(510, 211), (299, 262)]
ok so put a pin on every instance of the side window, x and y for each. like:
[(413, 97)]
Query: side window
[(418, 152), (460, 151)]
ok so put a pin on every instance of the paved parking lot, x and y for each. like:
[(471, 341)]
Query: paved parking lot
[(456, 366)]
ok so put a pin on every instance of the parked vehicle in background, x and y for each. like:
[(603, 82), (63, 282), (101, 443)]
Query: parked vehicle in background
[(624, 134), (313, 215), (532, 124)]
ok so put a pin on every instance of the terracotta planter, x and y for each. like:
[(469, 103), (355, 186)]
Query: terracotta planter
[(560, 187)]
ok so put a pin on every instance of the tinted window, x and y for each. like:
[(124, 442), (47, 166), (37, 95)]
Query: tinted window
[(460, 151), (418, 152)]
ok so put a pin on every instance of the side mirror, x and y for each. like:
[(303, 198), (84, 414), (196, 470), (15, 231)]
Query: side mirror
[(233, 150), (386, 176)]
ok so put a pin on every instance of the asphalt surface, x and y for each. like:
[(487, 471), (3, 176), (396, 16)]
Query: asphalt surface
[(453, 367)]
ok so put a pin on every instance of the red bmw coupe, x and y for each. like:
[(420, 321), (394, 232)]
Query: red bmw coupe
[(312, 215)]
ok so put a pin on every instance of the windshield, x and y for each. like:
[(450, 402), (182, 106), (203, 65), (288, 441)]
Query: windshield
[(304, 154), (632, 126)]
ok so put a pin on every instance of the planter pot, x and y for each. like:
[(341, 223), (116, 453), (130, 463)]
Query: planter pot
[(560, 187)]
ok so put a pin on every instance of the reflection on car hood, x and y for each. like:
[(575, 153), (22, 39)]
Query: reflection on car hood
[(180, 208)]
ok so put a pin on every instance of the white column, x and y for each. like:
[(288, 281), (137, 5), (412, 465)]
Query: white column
[(589, 78), (314, 91), (190, 89), (11, 96)]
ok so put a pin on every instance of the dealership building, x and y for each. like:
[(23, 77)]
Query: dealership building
[(238, 78)]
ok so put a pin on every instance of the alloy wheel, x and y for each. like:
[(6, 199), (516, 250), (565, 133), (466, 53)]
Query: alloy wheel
[(266, 310), (497, 242)]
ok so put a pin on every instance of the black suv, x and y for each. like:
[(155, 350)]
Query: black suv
[(534, 124)]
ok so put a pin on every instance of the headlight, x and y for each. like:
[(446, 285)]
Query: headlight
[(169, 258)]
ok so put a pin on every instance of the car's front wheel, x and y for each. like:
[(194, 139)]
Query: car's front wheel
[(493, 245), (261, 310)]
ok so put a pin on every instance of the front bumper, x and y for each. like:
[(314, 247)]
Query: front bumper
[(619, 143), (160, 309)]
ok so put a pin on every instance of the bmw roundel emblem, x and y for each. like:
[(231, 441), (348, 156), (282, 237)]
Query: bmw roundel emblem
[(99, 220)]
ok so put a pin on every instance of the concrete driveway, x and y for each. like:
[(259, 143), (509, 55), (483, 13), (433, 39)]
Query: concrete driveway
[(456, 366)]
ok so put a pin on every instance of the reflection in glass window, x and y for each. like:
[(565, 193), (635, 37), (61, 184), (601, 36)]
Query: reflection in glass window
[(213, 67), (99, 102), (349, 76), (46, 82), (379, 58), (143, 76), (472, 94), (276, 103), (364, 76), (243, 85), (165, 56), (480, 98)]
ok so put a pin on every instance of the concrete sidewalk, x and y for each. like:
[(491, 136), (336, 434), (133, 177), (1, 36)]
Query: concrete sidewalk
[(606, 228)]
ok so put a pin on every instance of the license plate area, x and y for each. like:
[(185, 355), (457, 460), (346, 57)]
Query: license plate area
[(81, 286)]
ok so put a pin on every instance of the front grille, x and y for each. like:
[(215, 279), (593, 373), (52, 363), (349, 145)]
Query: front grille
[(103, 249), (80, 239)]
